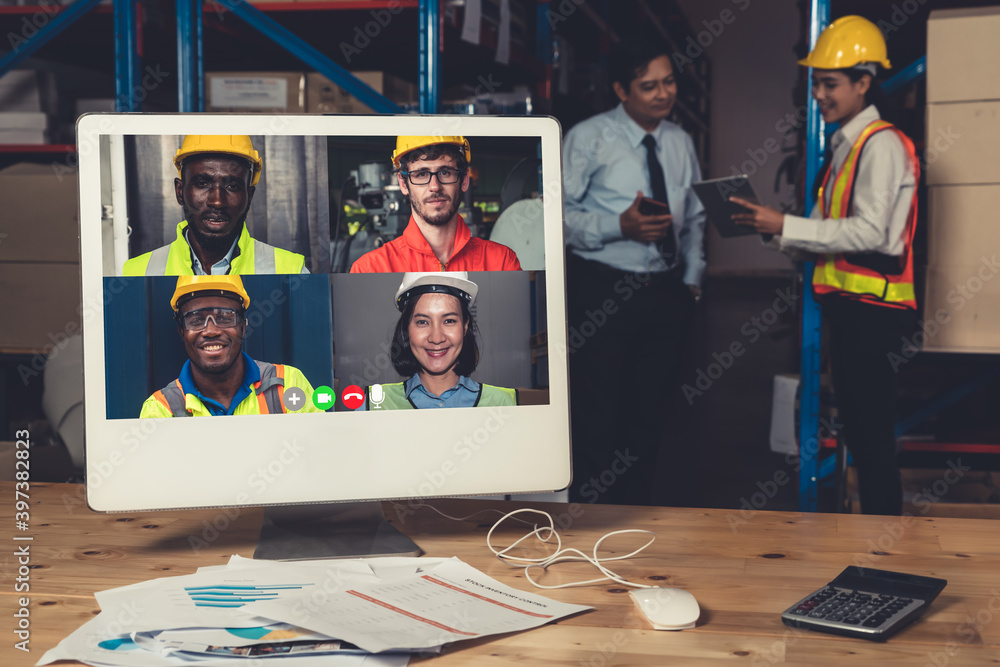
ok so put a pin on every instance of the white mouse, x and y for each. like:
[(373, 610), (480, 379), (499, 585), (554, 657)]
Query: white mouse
[(667, 608)]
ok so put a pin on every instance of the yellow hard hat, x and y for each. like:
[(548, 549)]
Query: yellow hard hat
[(198, 286), (232, 144), (848, 41), (406, 144)]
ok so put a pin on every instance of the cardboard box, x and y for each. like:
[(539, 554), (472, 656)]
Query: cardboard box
[(962, 51), (324, 96), (41, 216), (40, 304), (972, 486), (962, 223), (255, 92), (963, 142), (23, 120), (24, 127), (972, 497), (962, 307), (28, 90), (23, 137)]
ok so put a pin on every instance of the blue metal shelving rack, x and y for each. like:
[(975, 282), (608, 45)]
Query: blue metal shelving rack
[(190, 65), (819, 17), (126, 61), (190, 60)]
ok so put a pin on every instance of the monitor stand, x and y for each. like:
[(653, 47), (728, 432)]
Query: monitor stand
[(342, 530)]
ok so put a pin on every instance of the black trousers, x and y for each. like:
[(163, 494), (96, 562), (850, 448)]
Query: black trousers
[(862, 336), (626, 337)]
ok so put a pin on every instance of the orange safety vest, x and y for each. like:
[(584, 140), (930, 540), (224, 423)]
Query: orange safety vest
[(869, 277), (270, 390)]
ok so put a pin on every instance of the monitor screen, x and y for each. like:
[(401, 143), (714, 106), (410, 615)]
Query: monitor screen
[(354, 276)]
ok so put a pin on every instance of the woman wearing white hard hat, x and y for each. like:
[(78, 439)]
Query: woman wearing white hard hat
[(434, 346), (862, 229)]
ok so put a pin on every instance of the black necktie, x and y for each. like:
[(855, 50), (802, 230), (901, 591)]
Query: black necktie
[(668, 244)]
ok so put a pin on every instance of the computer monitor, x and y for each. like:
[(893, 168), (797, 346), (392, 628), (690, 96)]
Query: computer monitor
[(320, 193)]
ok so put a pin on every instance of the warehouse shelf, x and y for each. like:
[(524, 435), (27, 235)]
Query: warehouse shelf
[(88, 41), (127, 16), (302, 19)]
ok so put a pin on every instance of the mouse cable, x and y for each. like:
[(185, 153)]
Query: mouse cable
[(410, 505), (544, 533)]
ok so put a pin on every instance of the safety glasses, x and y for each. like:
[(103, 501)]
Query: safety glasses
[(197, 320)]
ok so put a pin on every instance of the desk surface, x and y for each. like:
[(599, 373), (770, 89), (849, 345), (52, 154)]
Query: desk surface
[(744, 568)]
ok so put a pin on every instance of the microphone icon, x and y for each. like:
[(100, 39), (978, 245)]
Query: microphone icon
[(377, 395)]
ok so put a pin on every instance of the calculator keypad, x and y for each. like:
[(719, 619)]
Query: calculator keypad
[(859, 611)]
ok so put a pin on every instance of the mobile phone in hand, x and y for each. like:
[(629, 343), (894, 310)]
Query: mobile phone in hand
[(649, 206)]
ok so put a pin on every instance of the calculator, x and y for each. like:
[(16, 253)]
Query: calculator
[(866, 603)]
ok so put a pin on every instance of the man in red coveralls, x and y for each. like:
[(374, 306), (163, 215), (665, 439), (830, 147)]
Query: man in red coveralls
[(434, 172)]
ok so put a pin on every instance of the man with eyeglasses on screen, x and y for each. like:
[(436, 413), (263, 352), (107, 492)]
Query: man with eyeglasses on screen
[(433, 172), (219, 378)]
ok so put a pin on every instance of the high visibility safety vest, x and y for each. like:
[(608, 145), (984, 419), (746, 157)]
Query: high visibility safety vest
[(254, 257), (396, 399), (266, 397), (870, 277)]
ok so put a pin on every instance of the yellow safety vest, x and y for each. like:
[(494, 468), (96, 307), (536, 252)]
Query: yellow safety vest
[(253, 257), (171, 401), (853, 273), (396, 399)]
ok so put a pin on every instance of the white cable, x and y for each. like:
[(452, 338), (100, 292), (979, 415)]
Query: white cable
[(562, 554), (544, 534), (448, 516)]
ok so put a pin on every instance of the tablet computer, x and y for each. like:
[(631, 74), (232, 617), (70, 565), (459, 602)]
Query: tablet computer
[(714, 195)]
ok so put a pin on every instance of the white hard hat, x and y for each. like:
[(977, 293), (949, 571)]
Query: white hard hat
[(455, 283)]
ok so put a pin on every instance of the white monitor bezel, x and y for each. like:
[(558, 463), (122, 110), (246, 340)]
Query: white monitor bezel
[(134, 464)]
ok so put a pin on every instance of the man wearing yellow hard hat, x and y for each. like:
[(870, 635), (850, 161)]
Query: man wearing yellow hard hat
[(861, 231), (434, 172), (216, 178), (219, 378)]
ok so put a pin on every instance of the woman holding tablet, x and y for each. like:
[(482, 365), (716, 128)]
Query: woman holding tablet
[(862, 229), (434, 346)]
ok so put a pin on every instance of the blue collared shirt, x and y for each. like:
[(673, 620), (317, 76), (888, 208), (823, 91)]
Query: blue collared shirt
[(252, 376), (462, 395), (220, 268), (604, 165)]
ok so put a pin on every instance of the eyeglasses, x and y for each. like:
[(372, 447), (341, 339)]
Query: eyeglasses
[(445, 176), (222, 318)]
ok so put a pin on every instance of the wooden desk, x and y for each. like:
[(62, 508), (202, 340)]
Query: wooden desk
[(744, 570)]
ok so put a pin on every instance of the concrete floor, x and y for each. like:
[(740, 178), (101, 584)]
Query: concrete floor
[(716, 452)]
